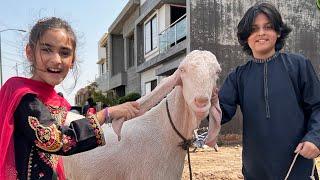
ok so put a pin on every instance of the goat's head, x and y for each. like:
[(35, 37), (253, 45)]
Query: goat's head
[(199, 74)]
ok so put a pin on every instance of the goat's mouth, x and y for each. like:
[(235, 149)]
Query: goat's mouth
[(202, 112)]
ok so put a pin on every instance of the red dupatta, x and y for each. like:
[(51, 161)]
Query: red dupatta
[(10, 95)]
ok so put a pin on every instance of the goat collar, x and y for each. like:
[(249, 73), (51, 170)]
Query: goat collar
[(186, 143)]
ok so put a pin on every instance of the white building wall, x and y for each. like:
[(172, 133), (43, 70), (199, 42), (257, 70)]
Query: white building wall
[(141, 2), (101, 52), (148, 76), (164, 17)]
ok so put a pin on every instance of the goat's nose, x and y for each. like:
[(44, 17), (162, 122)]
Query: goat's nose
[(201, 101)]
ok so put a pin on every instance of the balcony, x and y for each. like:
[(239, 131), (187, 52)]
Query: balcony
[(103, 82), (174, 34)]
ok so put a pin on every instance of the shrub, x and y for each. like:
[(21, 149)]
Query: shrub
[(129, 97)]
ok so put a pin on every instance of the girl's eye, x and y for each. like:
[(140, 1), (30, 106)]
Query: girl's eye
[(65, 53)]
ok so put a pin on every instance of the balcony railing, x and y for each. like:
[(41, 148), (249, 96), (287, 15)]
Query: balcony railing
[(172, 35), (103, 81)]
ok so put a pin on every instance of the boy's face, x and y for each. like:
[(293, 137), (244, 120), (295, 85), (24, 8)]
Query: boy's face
[(53, 57), (263, 38)]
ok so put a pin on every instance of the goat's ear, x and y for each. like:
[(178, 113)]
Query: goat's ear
[(163, 89), (117, 126), (215, 116)]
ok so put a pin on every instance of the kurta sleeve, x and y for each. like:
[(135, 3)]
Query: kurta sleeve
[(311, 103), (34, 120), (228, 97)]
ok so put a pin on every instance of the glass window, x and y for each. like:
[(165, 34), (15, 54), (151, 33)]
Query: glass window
[(151, 34), (147, 37), (148, 87), (154, 31)]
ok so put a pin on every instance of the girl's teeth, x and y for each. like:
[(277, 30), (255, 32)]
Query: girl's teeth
[(54, 70)]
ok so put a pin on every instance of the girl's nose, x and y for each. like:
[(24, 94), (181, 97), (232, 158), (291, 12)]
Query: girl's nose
[(57, 58)]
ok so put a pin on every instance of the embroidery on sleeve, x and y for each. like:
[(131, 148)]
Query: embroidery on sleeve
[(58, 113), (50, 159), (68, 143), (97, 129), (48, 138)]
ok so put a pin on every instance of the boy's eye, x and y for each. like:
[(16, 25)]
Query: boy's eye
[(268, 27), (46, 49), (255, 29)]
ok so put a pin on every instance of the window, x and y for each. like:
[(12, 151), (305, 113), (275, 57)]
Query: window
[(102, 69), (131, 52), (150, 85), (151, 35)]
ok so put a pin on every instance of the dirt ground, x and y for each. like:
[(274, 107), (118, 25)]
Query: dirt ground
[(222, 165)]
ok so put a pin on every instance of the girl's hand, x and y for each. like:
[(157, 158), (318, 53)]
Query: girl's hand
[(308, 150), (126, 110)]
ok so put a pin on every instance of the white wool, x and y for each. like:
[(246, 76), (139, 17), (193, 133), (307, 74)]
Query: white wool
[(149, 146)]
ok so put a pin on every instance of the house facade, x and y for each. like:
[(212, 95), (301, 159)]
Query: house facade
[(149, 38), (103, 68)]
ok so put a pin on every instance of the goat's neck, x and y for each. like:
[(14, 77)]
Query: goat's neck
[(182, 116)]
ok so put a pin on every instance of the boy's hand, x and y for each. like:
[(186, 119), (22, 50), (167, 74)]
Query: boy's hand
[(308, 150)]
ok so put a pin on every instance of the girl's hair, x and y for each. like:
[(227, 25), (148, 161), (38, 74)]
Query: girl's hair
[(50, 23), (38, 30), (245, 25)]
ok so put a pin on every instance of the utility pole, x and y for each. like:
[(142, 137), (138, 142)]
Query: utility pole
[(1, 75), (17, 73)]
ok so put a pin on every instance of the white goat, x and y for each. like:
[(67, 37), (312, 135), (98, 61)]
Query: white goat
[(148, 148)]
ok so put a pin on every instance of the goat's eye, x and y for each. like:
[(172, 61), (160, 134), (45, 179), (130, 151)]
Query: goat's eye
[(182, 70)]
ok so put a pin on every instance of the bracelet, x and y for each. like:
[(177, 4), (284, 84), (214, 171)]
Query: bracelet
[(107, 116)]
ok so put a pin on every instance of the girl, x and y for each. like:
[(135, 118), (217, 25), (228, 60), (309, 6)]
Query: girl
[(32, 114), (279, 96)]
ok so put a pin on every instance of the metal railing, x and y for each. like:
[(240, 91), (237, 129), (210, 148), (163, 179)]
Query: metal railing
[(103, 81), (173, 34)]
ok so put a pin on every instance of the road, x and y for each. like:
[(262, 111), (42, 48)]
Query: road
[(222, 165)]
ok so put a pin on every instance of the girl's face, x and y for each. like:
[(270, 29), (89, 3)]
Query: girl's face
[(263, 38), (53, 56)]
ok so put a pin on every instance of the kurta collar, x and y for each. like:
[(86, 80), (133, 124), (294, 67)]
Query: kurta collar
[(256, 60)]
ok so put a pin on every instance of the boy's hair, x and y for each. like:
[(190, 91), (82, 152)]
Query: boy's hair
[(245, 25)]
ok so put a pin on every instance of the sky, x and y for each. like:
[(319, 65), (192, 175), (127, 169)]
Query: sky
[(89, 19)]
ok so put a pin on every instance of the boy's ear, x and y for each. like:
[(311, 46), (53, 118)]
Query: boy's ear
[(29, 53)]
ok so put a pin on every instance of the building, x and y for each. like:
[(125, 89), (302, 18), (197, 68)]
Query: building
[(103, 68), (149, 38)]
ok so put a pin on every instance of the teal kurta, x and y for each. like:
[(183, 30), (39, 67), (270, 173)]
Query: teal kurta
[(280, 102)]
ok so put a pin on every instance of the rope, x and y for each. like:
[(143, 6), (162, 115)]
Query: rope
[(185, 144), (291, 166), (189, 163)]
